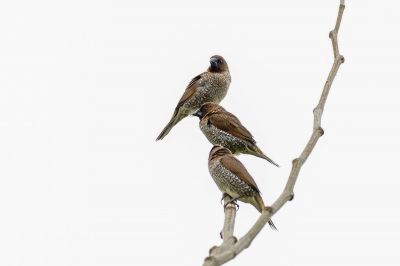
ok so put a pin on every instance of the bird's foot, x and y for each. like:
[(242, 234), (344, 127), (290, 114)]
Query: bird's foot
[(223, 196), (233, 201)]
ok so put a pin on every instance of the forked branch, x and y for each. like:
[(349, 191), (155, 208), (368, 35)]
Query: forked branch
[(230, 246)]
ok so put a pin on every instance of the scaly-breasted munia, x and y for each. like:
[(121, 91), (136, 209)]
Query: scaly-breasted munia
[(223, 128), (210, 86), (233, 179)]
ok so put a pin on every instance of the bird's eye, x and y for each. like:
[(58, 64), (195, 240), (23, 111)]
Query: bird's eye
[(219, 61)]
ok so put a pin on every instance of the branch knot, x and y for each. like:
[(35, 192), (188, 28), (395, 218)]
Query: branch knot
[(291, 196), (332, 34), (321, 131)]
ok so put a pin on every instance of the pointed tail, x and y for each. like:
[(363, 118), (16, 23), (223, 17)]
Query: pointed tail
[(269, 159), (166, 129), (272, 225), (259, 204), (258, 152), (176, 117)]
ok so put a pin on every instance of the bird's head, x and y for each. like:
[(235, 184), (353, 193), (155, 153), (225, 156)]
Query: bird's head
[(218, 64), (208, 108), (218, 151)]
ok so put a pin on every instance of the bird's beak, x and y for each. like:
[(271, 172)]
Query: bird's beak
[(198, 114), (213, 62)]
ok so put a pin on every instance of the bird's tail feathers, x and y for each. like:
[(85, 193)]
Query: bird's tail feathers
[(259, 204), (272, 225), (174, 120), (258, 152)]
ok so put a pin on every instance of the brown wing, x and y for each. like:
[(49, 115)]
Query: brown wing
[(237, 168), (230, 124), (190, 90)]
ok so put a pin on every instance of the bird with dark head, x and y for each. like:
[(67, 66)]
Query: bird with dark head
[(217, 64), (223, 128), (210, 86), (233, 179)]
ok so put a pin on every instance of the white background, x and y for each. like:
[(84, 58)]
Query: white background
[(86, 86)]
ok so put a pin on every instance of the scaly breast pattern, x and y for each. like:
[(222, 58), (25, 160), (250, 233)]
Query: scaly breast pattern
[(230, 183), (219, 137), (213, 88)]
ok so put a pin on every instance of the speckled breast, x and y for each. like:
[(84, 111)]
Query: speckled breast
[(214, 89), (229, 183), (219, 137)]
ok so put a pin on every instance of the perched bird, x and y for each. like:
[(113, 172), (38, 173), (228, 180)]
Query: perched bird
[(210, 86), (223, 128), (232, 178)]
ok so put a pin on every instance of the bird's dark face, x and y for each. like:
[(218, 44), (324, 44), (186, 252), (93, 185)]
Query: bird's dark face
[(218, 64), (206, 109)]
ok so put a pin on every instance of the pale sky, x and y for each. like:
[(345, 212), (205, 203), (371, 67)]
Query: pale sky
[(86, 87)]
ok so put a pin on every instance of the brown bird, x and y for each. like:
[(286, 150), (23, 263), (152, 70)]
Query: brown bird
[(232, 178), (210, 86), (223, 128)]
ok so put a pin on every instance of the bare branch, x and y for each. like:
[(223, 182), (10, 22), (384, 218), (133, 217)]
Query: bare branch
[(227, 231), (230, 247)]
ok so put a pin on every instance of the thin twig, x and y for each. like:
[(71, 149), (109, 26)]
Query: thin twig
[(230, 247)]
